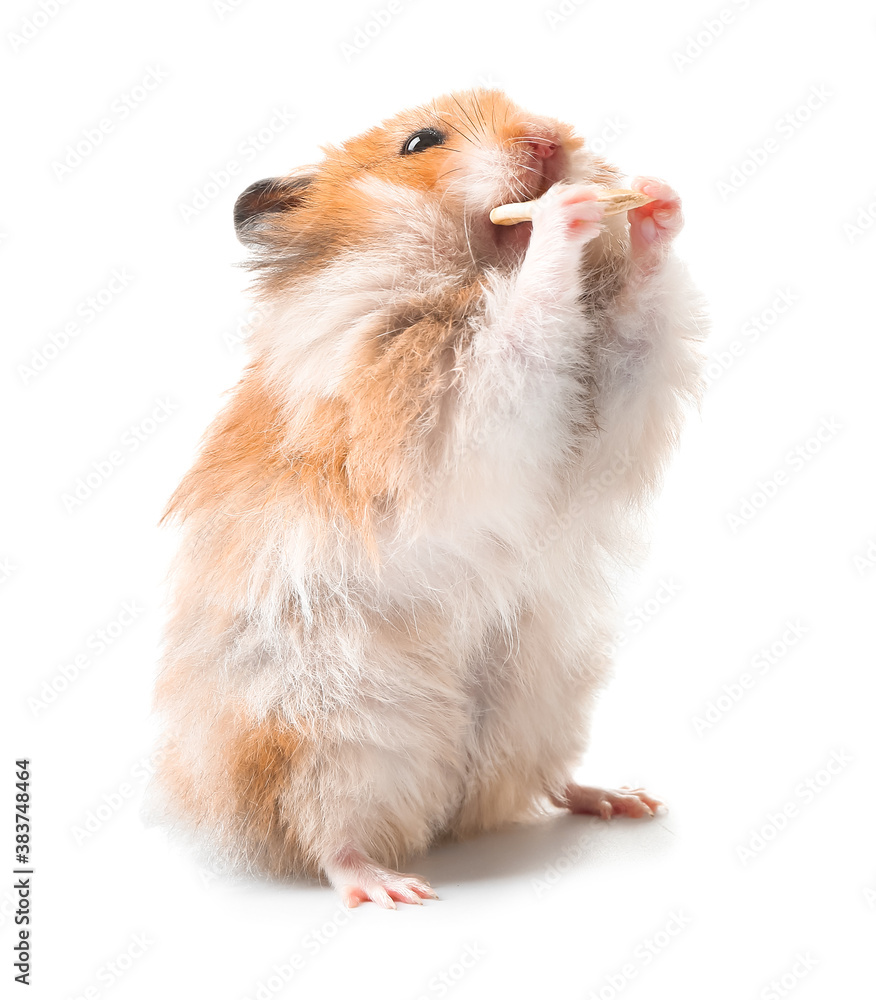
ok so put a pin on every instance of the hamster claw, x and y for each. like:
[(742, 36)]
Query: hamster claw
[(360, 880), (607, 802)]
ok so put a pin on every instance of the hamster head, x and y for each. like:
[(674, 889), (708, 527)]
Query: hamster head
[(375, 267), (419, 187)]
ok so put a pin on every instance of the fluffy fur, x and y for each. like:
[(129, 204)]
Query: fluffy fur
[(393, 601)]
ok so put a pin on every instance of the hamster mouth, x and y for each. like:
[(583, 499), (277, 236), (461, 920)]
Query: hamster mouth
[(512, 240)]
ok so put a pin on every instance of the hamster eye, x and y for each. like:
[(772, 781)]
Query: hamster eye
[(422, 140)]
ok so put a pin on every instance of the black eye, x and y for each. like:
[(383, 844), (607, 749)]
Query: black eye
[(422, 140)]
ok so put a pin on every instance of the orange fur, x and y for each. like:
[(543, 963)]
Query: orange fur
[(349, 456), (239, 788)]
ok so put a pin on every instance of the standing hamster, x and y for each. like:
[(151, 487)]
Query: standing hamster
[(392, 605)]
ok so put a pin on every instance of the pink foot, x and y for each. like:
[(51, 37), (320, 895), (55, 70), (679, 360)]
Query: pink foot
[(608, 802), (655, 225), (359, 879)]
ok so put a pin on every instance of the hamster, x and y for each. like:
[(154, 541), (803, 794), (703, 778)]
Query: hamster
[(401, 542)]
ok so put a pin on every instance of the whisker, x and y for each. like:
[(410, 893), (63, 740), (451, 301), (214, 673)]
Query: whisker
[(518, 190), (518, 139), (493, 115), (461, 131), (447, 173), (479, 111), (468, 117), (467, 232), (453, 128)]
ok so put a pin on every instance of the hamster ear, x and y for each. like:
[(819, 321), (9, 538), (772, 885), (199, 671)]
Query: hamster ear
[(259, 201)]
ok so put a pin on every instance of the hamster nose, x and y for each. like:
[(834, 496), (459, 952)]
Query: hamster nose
[(542, 148)]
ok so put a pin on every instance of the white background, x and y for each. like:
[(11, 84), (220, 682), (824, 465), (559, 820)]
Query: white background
[(573, 908)]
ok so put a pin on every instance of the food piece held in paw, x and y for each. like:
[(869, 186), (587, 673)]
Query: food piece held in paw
[(616, 200)]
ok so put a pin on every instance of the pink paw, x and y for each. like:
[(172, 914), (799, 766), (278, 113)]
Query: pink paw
[(608, 802), (655, 225), (359, 879), (571, 211)]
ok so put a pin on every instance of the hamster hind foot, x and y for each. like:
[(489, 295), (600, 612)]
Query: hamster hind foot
[(359, 879), (582, 800)]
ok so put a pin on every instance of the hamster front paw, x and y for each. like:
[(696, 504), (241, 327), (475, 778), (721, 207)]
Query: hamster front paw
[(655, 225), (359, 879), (569, 213)]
